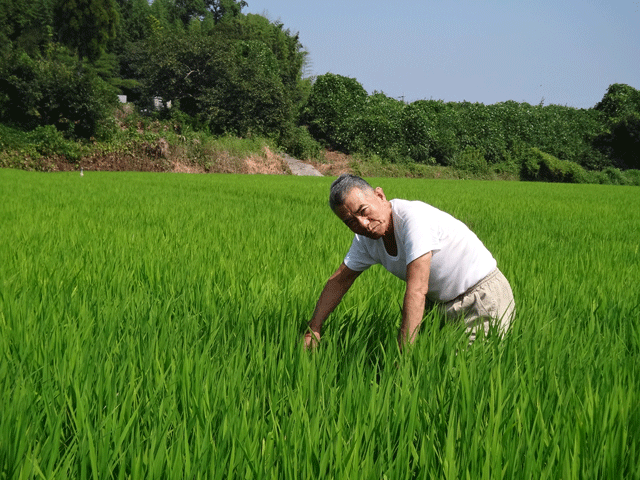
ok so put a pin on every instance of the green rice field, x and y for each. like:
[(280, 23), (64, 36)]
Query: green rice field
[(150, 327)]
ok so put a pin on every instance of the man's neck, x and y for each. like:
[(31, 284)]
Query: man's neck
[(389, 240)]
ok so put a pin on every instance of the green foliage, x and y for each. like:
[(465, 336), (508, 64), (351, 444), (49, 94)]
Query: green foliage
[(148, 333), (25, 25), (59, 91), (247, 97), (133, 25), (438, 130), (21, 149), (49, 142), (619, 102), (86, 26), (375, 128), (224, 9), (284, 45), (332, 101), (417, 129), (538, 165), (218, 10), (233, 82), (621, 141), (298, 142), (472, 160), (615, 176)]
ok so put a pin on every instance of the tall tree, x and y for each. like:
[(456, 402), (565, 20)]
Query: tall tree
[(134, 22), (25, 24), (86, 26), (621, 141), (224, 8), (186, 10)]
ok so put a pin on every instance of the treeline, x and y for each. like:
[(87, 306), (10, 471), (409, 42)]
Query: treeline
[(536, 142), (63, 63)]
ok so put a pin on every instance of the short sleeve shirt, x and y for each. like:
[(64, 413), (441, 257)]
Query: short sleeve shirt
[(459, 259)]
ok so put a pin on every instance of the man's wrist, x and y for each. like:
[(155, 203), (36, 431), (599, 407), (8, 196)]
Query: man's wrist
[(314, 327)]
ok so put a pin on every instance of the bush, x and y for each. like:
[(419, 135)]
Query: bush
[(538, 165), (429, 131), (632, 176), (614, 176), (472, 160), (32, 150), (298, 142), (49, 141)]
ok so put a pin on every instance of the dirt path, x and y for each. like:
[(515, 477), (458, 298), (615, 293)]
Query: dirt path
[(300, 168)]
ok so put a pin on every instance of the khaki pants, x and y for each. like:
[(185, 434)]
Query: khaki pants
[(490, 301)]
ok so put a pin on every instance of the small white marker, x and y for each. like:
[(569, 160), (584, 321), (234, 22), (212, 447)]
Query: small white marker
[(81, 172)]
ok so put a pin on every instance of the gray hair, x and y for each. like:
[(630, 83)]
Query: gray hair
[(342, 186)]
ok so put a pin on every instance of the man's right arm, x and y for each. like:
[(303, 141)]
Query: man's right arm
[(332, 293)]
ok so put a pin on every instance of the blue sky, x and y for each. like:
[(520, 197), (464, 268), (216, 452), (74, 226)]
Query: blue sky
[(565, 52)]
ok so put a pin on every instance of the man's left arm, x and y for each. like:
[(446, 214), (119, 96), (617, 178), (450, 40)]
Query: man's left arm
[(414, 298)]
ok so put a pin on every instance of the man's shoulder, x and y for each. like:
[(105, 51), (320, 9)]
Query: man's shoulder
[(404, 207)]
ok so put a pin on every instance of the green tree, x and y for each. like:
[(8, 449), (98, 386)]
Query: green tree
[(376, 128), (619, 102), (57, 90), (187, 10), (224, 8), (134, 22), (232, 85), (621, 140), (25, 25), (284, 45), (247, 96), (332, 101), (86, 26)]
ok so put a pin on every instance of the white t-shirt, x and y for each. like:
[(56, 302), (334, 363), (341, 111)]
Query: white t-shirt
[(459, 259)]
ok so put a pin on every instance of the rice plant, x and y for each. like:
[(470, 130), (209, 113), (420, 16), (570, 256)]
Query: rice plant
[(150, 327)]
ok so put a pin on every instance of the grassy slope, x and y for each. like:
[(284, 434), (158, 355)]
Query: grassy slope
[(149, 326)]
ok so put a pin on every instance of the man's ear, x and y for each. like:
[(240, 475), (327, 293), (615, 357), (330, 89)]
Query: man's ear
[(380, 194)]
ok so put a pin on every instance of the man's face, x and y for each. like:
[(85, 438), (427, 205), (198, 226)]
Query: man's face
[(366, 213)]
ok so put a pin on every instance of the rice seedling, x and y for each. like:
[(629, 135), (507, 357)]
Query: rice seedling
[(150, 328)]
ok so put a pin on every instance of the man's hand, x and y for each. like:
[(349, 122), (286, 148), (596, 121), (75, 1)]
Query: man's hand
[(333, 291), (311, 340)]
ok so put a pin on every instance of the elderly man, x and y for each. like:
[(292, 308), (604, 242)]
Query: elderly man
[(437, 255)]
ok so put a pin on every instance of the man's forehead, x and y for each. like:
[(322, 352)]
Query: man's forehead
[(357, 194)]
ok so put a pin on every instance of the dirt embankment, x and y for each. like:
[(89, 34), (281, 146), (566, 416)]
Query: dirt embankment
[(162, 157)]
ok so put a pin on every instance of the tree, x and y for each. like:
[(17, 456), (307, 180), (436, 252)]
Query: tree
[(284, 45), (25, 25), (187, 10), (224, 8), (621, 141), (619, 102), (232, 85), (86, 26), (134, 22), (333, 99), (57, 90)]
